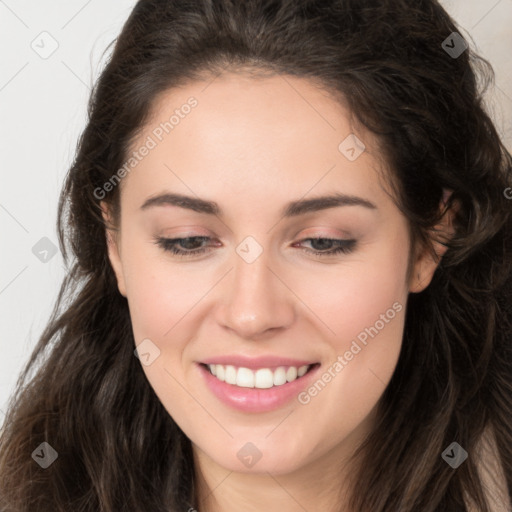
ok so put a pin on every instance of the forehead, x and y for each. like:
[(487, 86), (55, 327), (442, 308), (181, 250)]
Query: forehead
[(267, 108), (272, 133)]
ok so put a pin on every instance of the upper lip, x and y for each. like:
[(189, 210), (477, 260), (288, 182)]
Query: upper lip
[(257, 362)]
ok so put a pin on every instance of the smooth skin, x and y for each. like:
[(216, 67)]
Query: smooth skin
[(253, 145)]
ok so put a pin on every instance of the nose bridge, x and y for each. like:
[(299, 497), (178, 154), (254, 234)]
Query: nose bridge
[(256, 299), (251, 280)]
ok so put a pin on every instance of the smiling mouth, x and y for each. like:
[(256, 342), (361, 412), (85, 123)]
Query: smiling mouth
[(263, 378)]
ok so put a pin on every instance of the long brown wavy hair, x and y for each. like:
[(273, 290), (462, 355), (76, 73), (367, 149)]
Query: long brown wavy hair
[(83, 391)]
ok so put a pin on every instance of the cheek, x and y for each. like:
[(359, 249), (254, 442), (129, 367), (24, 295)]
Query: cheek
[(364, 353), (152, 308), (159, 299), (363, 304), (159, 294), (354, 296)]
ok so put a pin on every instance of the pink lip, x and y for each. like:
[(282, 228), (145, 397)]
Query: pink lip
[(256, 400), (254, 363)]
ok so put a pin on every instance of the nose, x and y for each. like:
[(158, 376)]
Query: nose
[(257, 301)]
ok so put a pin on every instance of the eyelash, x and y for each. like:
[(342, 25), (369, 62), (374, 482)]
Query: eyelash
[(169, 244)]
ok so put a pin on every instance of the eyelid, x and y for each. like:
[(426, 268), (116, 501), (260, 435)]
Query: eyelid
[(321, 233), (186, 232)]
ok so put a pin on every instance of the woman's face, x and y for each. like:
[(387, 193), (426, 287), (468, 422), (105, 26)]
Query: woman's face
[(257, 295)]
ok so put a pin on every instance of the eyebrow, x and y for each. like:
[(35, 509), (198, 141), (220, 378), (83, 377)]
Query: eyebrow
[(292, 209)]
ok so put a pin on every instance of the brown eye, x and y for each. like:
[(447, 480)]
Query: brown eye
[(329, 246), (188, 246)]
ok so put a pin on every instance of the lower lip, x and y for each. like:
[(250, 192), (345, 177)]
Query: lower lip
[(253, 399)]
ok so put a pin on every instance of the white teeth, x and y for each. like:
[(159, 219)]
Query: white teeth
[(280, 376), (291, 373), (263, 378), (245, 378), (230, 375), (302, 370)]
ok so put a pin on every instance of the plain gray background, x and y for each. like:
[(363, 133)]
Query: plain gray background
[(51, 55)]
